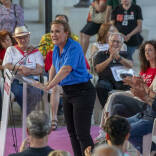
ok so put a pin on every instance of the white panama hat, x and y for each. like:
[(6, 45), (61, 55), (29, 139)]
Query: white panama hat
[(21, 31)]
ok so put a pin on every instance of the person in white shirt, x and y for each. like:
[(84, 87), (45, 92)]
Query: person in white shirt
[(30, 66)]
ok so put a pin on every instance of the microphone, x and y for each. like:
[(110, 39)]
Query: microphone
[(15, 72)]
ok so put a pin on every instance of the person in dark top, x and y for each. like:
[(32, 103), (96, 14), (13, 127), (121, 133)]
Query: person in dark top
[(103, 63), (38, 128), (111, 5), (142, 123), (127, 18)]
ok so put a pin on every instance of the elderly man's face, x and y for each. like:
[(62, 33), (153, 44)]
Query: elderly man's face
[(115, 41), (23, 41)]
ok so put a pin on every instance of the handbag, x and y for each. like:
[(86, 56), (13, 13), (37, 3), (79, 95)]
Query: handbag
[(96, 17)]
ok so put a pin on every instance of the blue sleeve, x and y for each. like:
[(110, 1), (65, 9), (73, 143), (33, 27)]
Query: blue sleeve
[(73, 57)]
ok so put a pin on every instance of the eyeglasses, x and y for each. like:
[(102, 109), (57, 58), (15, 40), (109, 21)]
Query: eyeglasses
[(117, 41)]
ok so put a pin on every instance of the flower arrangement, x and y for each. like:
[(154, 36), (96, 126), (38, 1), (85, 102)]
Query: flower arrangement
[(46, 39)]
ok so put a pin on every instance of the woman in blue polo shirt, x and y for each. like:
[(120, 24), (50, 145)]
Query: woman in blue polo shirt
[(69, 70)]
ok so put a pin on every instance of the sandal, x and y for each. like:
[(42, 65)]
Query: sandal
[(54, 125)]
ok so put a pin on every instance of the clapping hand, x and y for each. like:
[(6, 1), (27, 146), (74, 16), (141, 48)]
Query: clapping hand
[(88, 151), (114, 53), (133, 81)]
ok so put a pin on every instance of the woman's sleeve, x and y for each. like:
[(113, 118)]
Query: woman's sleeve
[(73, 57), (20, 15)]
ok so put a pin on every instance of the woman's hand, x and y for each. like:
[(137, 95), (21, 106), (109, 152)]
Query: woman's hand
[(140, 92), (133, 81), (88, 151), (128, 81), (47, 86)]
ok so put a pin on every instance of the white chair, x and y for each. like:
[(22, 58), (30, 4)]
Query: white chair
[(147, 141)]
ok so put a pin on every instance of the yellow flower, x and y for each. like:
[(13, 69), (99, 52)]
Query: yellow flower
[(46, 39)]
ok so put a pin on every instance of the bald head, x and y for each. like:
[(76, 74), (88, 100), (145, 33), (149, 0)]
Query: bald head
[(106, 150)]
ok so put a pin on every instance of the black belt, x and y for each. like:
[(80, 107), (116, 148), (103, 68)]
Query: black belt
[(79, 86)]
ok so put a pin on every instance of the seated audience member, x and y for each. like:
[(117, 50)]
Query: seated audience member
[(117, 132), (102, 39), (31, 66), (127, 18), (103, 63), (47, 54), (142, 123), (59, 153), (38, 128), (6, 41), (124, 103), (106, 150)]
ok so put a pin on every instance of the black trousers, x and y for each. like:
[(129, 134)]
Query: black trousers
[(103, 87), (78, 104)]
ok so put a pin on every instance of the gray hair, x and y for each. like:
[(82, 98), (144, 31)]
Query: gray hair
[(116, 33), (38, 124), (106, 150), (59, 153)]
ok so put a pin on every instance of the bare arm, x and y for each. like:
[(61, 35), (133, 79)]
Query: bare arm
[(102, 66), (127, 63), (100, 7), (27, 71), (134, 31), (108, 14), (10, 66), (52, 73), (63, 72), (93, 49)]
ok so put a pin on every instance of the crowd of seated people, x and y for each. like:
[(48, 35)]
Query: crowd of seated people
[(136, 104)]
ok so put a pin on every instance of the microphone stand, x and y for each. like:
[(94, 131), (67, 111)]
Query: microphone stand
[(13, 70)]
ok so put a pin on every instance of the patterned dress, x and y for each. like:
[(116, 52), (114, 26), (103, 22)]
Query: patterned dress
[(10, 18)]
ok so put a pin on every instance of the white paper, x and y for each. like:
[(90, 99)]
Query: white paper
[(117, 70)]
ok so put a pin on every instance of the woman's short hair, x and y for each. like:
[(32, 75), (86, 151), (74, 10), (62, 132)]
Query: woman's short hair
[(38, 124), (144, 63), (3, 34), (64, 24), (102, 33), (59, 153)]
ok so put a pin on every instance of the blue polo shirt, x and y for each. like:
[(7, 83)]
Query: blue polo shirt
[(73, 56)]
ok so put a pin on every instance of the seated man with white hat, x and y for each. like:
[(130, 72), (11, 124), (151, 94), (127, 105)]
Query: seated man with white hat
[(30, 66)]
